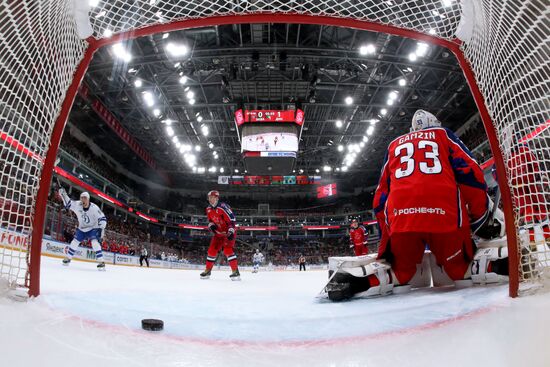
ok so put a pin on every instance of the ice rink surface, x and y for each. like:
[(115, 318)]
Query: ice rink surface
[(90, 318)]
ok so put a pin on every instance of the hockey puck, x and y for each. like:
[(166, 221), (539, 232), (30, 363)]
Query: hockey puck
[(152, 324)]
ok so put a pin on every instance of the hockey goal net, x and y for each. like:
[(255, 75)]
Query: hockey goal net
[(45, 47)]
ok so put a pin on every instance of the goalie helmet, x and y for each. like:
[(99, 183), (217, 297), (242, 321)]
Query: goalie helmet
[(423, 119)]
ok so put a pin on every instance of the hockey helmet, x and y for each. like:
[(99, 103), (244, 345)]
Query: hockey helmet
[(423, 119), (85, 194), (213, 193)]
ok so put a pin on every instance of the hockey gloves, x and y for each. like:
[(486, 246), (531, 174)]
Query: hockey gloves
[(231, 235), (212, 227)]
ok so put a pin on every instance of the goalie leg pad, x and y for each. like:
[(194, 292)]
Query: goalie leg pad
[(371, 279), (490, 265)]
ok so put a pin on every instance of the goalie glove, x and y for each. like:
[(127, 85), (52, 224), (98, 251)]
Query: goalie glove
[(231, 234)]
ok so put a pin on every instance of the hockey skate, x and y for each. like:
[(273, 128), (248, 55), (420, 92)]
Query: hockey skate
[(206, 274), (235, 275), (101, 266), (66, 261)]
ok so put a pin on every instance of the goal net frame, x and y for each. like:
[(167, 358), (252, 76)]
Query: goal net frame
[(309, 12)]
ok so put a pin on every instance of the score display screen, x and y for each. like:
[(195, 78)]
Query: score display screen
[(269, 116), (326, 191)]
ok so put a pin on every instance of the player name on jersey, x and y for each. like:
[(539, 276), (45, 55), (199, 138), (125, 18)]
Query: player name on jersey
[(417, 135)]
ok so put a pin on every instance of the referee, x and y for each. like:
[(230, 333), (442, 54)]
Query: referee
[(143, 256)]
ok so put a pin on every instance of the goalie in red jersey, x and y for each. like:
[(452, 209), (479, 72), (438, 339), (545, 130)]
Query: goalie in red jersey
[(221, 222), (431, 193)]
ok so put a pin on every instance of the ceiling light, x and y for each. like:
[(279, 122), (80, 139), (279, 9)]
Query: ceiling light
[(383, 112), (349, 100), (121, 53), (201, 170), (169, 131), (204, 130), (345, 168), (327, 169), (402, 82), (236, 171), (412, 56), (165, 36), (365, 139), (197, 148), (194, 169), (149, 100), (138, 83), (210, 145), (107, 33), (191, 101), (393, 95), (183, 80), (317, 170), (421, 49), (367, 49), (199, 119), (339, 123), (373, 121), (370, 130), (216, 157), (362, 144), (222, 170), (301, 171), (175, 139), (176, 50), (190, 94), (340, 148), (389, 102), (168, 122), (156, 112)]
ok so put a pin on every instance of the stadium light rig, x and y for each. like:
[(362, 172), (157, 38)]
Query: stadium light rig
[(176, 50), (121, 53)]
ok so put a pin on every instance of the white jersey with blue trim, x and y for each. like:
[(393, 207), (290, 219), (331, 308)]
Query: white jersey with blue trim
[(258, 257), (88, 219)]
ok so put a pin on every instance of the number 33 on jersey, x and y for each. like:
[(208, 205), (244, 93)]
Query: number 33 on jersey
[(426, 178)]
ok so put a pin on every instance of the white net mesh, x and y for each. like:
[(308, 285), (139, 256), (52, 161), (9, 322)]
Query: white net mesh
[(39, 52), (508, 50)]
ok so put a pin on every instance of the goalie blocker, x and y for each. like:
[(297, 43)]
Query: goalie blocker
[(365, 276)]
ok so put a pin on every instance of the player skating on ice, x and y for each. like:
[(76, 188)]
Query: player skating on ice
[(358, 237), (91, 225), (431, 193), (257, 259), (221, 222)]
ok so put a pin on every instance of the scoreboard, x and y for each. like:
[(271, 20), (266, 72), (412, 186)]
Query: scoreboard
[(246, 116)]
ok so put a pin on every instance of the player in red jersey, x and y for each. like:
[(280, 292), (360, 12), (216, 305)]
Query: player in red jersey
[(430, 193), (221, 222), (358, 237), (528, 183)]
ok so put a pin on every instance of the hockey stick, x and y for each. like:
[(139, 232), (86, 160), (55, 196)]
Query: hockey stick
[(323, 290)]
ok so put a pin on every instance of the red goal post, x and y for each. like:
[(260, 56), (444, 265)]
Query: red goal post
[(46, 47)]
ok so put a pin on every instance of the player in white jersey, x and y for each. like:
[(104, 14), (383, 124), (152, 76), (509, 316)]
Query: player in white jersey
[(91, 225), (257, 259)]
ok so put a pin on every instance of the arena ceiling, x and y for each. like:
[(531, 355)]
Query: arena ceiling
[(269, 66)]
